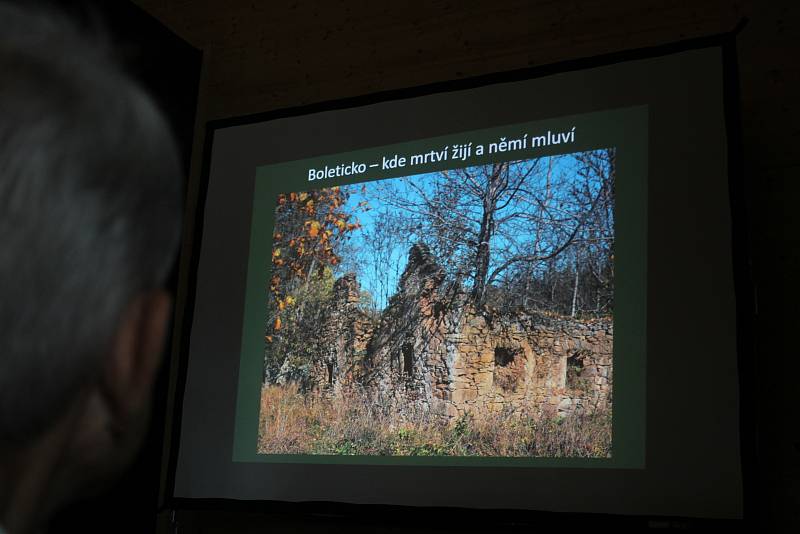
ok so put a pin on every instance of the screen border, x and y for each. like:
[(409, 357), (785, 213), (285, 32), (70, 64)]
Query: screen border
[(743, 288)]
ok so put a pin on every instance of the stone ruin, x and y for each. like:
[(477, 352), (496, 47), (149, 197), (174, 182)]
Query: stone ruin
[(431, 350)]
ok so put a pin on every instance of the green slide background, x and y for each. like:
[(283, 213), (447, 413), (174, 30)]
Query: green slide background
[(625, 129)]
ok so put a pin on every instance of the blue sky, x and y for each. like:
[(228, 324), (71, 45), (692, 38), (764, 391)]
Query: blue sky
[(380, 276)]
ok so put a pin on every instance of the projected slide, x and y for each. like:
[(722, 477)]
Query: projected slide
[(462, 307)]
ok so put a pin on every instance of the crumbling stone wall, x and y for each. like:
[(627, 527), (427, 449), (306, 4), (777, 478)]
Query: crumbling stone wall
[(531, 362), (345, 332), (432, 351)]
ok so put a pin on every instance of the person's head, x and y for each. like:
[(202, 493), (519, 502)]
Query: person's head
[(90, 213)]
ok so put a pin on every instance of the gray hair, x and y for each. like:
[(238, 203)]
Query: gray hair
[(90, 208)]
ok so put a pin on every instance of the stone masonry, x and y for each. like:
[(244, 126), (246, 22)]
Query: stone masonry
[(430, 350)]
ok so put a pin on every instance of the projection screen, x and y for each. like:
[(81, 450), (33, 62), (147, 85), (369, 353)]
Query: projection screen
[(511, 292)]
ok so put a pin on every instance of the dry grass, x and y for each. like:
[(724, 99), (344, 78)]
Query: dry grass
[(352, 424)]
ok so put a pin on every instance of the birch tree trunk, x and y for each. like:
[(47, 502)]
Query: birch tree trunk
[(575, 289)]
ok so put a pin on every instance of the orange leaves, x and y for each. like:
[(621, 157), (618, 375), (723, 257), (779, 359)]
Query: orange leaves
[(310, 226), (284, 302), (304, 201), (313, 228), (323, 238), (314, 220)]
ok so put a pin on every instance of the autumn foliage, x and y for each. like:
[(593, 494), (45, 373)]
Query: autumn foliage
[(312, 229), (309, 226)]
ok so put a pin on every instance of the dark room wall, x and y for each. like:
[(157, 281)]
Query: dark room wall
[(260, 56)]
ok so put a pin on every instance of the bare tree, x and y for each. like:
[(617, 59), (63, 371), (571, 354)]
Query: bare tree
[(491, 223)]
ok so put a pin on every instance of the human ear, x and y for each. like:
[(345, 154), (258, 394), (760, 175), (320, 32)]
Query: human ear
[(114, 408), (135, 356)]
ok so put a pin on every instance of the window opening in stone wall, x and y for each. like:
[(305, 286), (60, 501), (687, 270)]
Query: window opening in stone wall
[(503, 356), (574, 370), (509, 365), (408, 361), (330, 373)]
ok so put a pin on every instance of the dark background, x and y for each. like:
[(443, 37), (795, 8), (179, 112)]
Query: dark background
[(261, 56)]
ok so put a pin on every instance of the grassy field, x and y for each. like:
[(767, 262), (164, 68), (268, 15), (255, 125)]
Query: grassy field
[(293, 423)]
